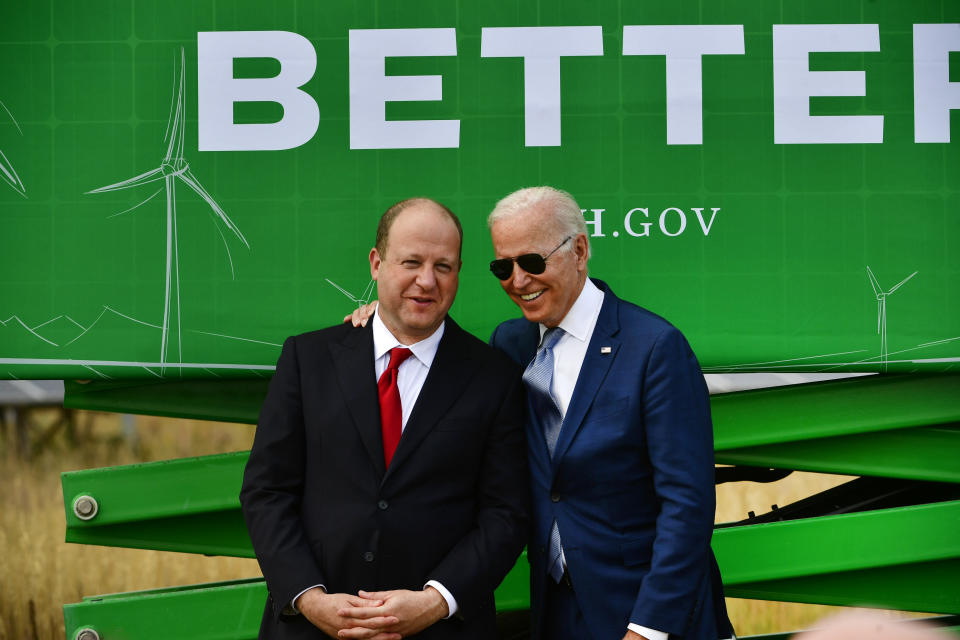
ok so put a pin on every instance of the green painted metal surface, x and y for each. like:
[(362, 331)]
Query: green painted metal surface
[(905, 558), (891, 557), (514, 592), (920, 453), (890, 426), (928, 587), (220, 400), (157, 489), (741, 419), (216, 611), (837, 408), (188, 505), (212, 611), (911, 565), (200, 612), (754, 243), (840, 427)]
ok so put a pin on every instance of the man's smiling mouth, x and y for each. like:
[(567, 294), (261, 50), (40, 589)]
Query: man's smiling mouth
[(531, 296)]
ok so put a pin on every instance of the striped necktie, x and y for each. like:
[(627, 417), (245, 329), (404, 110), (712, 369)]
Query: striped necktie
[(538, 378)]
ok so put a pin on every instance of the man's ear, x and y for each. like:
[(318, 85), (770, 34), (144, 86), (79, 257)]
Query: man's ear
[(375, 262), (581, 250)]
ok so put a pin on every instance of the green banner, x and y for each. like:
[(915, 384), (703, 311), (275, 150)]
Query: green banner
[(184, 184)]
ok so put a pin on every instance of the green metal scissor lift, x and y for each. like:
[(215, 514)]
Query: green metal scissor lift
[(890, 538)]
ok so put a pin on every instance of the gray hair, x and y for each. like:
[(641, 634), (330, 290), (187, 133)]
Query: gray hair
[(566, 211)]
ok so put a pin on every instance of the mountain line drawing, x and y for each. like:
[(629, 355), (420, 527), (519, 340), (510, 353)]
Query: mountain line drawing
[(63, 334), (43, 333)]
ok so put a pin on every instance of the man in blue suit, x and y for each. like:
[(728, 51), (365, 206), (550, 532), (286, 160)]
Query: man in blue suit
[(620, 442)]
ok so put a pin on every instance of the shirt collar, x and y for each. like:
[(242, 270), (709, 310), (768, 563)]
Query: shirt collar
[(582, 316), (383, 341)]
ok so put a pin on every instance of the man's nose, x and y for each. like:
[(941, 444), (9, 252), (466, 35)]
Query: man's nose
[(426, 278), (520, 277)]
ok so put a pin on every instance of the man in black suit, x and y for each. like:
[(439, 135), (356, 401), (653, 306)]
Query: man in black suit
[(362, 532)]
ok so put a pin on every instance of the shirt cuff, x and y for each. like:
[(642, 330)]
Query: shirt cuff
[(451, 601), (649, 634), (291, 609)]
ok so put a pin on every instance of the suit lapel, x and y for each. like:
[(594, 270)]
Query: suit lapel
[(449, 375), (529, 343), (526, 349), (596, 365), (353, 359)]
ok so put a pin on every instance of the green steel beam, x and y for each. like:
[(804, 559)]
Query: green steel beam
[(228, 400), (188, 505), (191, 504), (928, 586), (219, 611), (193, 507), (741, 419), (919, 453), (213, 611), (837, 408), (216, 611), (905, 558), (892, 426)]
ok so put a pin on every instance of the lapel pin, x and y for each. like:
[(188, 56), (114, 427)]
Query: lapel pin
[(604, 349)]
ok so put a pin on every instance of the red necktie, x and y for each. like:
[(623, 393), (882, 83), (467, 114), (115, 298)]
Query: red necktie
[(391, 413)]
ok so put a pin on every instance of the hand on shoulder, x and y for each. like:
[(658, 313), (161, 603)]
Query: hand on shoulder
[(362, 314)]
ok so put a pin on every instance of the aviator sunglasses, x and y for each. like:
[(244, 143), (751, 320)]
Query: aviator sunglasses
[(532, 263)]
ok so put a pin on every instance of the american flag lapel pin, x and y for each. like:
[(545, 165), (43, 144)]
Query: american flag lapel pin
[(604, 349)]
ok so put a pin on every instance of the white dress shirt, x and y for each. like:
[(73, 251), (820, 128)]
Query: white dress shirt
[(410, 378), (570, 350), (413, 371), (568, 355)]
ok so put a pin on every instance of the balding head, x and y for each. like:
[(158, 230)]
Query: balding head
[(386, 220), (871, 625)]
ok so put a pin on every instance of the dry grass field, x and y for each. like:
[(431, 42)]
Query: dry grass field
[(39, 572)]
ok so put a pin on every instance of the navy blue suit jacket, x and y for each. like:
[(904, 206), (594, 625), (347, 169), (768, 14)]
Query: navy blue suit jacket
[(631, 483)]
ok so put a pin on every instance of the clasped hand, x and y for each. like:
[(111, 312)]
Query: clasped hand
[(380, 615)]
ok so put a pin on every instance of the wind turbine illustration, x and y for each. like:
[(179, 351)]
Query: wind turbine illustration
[(172, 168), (7, 172), (360, 300), (882, 311)]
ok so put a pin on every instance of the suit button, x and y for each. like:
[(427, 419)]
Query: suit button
[(555, 497), (368, 556), (383, 505)]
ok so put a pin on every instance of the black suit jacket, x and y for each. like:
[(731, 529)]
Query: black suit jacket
[(453, 506)]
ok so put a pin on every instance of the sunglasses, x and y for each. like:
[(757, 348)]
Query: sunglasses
[(532, 263)]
